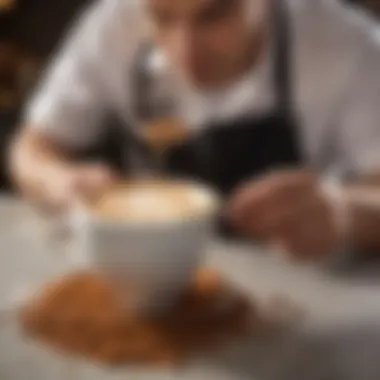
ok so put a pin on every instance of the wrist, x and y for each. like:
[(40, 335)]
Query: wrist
[(342, 213), (49, 181), (356, 215), (364, 204)]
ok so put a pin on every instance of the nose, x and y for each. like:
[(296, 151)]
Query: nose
[(186, 46)]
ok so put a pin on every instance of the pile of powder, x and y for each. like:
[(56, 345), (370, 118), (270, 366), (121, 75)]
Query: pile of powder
[(80, 315)]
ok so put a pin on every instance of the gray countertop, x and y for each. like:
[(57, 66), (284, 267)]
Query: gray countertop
[(339, 339)]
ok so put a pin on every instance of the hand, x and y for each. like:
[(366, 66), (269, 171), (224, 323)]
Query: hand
[(287, 209), (70, 183)]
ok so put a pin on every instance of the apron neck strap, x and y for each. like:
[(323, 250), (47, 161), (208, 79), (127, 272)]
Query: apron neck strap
[(141, 82), (282, 62)]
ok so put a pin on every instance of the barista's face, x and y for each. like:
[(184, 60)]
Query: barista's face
[(206, 40)]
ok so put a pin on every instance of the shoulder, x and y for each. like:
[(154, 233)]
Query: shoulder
[(100, 48), (332, 41), (110, 25), (335, 30)]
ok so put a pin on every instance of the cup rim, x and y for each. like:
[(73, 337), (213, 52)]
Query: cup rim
[(81, 210)]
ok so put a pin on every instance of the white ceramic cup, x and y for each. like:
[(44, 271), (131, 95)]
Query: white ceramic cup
[(155, 259)]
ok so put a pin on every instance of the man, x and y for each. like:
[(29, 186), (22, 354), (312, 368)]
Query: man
[(282, 95)]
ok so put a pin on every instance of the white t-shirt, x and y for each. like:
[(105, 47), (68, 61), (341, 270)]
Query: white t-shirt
[(336, 82)]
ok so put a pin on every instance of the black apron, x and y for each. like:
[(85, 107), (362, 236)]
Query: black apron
[(227, 155)]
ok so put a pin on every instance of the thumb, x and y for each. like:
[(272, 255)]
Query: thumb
[(92, 181), (61, 196)]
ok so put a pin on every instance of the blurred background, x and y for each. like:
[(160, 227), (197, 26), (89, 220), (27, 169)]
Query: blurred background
[(29, 33)]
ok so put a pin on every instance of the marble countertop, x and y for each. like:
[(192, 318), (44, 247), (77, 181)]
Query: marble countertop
[(339, 338)]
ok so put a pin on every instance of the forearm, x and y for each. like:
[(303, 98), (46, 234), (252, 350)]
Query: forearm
[(35, 161), (363, 204)]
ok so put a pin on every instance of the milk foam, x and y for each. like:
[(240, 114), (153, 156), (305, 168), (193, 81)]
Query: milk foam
[(163, 202)]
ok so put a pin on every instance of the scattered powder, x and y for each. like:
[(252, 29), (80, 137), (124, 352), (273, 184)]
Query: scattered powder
[(80, 315)]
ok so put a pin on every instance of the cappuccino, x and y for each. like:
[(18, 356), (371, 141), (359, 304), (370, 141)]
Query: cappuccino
[(148, 235), (154, 201)]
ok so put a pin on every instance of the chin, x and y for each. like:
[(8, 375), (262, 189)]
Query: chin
[(203, 80)]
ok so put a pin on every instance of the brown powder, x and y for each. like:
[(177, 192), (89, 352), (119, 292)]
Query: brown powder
[(80, 315)]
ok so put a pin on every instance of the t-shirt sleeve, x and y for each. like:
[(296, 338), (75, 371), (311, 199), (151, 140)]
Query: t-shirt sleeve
[(359, 129), (72, 101)]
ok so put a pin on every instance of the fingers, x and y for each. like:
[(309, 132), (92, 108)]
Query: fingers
[(59, 193), (77, 182), (287, 210), (310, 234), (272, 220), (276, 218), (90, 181), (260, 206), (257, 194)]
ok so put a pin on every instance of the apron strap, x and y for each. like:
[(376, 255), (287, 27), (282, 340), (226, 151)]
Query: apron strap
[(282, 62), (141, 83)]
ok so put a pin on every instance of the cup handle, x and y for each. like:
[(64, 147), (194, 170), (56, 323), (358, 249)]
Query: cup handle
[(65, 227), (75, 237)]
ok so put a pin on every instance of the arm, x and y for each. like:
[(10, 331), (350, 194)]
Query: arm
[(300, 212), (67, 112), (36, 161), (360, 145)]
